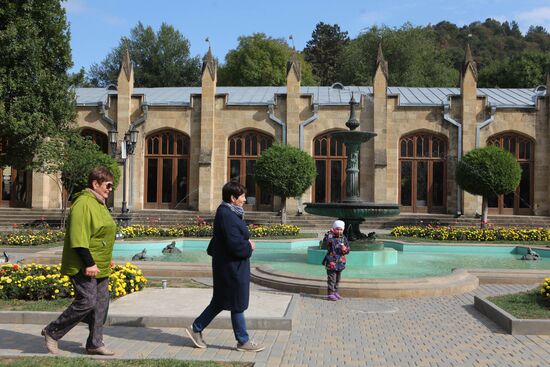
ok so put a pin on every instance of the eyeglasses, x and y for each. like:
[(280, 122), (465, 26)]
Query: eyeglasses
[(109, 186)]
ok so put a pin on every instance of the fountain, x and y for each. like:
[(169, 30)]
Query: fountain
[(352, 210)]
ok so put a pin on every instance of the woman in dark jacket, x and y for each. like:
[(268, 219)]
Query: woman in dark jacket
[(230, 249)]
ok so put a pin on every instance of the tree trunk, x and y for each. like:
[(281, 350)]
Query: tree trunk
[(283, 210), (484, 211), (64, 202)]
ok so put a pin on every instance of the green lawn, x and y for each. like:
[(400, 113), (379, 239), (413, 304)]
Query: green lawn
[(41, 305), (524, 305), (89, 362)]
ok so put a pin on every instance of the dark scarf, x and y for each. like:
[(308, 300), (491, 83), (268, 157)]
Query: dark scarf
[(235, 209)]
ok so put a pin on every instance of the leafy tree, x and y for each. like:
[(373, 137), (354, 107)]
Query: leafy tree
[(324, 51), (525, 70), (35, 98), (486, 172), (415, 58), (69, 158), (160, 59), (285, 171), (260, 60)]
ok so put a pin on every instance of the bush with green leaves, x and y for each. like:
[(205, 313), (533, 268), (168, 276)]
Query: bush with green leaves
[(488, 171), (285, 171)]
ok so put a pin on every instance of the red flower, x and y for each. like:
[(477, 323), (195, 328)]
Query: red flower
[(15, 267)]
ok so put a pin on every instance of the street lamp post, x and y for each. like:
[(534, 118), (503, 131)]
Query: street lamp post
[(127, 147)]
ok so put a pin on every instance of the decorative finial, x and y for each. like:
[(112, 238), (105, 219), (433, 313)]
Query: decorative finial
[(291, 38), (352, 122)]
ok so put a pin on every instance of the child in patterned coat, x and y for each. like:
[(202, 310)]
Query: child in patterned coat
[(335, 260)]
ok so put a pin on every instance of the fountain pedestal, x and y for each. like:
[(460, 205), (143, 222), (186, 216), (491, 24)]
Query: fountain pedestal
[(356, 258), (353, 210)]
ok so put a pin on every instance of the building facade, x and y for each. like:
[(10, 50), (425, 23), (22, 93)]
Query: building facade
[(191, 140)]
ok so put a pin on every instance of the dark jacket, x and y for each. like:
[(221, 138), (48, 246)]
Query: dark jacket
[(337, 248), (230, 251)]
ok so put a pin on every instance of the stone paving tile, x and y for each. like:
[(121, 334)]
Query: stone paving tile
[(440, 331)]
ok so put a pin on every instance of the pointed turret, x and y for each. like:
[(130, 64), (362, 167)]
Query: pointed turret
[(209, 64), (381, 63), (294, 65), (127, 66), (469, 63)]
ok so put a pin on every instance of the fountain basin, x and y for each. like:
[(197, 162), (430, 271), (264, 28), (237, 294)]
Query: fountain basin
[(385, 256), (352, 210)]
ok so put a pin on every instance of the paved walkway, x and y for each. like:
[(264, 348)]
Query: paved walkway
[(443, 331)]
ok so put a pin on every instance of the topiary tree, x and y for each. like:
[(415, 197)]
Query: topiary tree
[(488, 171), (284, 171)]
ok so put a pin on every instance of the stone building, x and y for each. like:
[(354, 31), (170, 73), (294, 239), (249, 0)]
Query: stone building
[(185, 143)]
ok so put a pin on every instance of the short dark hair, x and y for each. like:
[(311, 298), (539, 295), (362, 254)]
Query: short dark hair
[(232, 188), (99, 174)]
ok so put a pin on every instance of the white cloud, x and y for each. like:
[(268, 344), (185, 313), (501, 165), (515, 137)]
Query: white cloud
[(538, 16), (79, 8), (76, 7)]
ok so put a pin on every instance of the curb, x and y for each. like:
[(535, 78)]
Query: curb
[(254, 323), (511, 324)]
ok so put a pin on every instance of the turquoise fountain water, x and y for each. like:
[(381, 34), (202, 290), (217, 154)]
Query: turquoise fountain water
[(413, 260)]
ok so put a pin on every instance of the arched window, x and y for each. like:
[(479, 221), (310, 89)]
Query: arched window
[(330, 161), (244, 150), (98, 138), (520, 201), (166, 169), (14, 185), (422, 173)]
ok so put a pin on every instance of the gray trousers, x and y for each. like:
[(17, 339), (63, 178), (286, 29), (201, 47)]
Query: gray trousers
[(333, 280), (90, 305)]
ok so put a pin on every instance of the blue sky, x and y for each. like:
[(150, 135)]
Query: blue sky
[(98, 25)]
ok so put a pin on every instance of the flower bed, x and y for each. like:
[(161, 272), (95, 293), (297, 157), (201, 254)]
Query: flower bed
[(31, 237), (204, 230), (545, 291), (35, 281), (472, 234)]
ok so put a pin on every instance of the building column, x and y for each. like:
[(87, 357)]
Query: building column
[(468, 93), (206, 202), (377, 180)]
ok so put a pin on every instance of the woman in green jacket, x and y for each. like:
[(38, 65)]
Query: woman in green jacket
[(86, 259)]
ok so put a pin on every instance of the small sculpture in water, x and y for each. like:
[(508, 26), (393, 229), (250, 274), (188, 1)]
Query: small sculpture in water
[(5, 258), (530, 255), (171, 249), (141, 256), (371, 236)]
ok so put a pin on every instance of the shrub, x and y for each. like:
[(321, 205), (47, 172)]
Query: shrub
[(472, 234), (35, 281), (545, 291)]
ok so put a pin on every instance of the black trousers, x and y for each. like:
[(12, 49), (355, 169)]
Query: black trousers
[(90, 306), (333, 280)]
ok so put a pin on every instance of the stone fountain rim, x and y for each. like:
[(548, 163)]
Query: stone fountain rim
[(354, 204)]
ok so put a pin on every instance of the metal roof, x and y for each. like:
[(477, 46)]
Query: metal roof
[(253, 96)]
